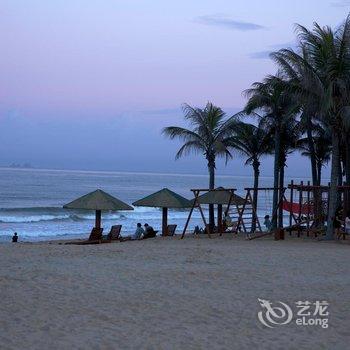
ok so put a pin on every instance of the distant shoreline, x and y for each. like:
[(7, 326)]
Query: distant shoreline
[(2, 167)]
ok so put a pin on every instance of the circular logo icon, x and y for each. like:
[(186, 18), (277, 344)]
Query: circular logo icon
[(272, 316)]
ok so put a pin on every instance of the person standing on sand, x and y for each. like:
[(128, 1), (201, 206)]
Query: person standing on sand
[(15, 238)]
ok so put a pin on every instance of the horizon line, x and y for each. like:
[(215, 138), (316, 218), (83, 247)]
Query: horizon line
[(5, 167)]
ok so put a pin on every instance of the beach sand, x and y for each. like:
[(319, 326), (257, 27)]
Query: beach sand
[(166, 293)]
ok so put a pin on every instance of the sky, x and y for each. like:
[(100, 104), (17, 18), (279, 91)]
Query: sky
[(90, 84)]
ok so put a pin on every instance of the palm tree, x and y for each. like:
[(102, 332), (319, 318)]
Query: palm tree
[(279, 109), (290, 133), (323, 71), (322, 149), (252, 142), (209, 135)]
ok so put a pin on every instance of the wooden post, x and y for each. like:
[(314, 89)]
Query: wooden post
[(308, 210), (345, 192), (165, 222), (98, 219), (220, 219), (207, 228), (300, 204), (329, 187), (187, 221), (190, 214), (240, 212), (291, 205)]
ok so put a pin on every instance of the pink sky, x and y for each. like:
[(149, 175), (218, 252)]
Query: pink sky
[(107, 60)]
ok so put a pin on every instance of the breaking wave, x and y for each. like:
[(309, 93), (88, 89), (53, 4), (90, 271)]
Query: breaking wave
[(56, 214)]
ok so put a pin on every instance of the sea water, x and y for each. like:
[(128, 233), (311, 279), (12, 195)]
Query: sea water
[(31, 200)]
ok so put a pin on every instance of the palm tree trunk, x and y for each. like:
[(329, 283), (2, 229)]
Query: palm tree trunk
[(334, 184), (275, 177), (347, 161), (211, 169), (281, 184), (312, 152), (256, 165), (319, 173), (315, 171), (340, 177)]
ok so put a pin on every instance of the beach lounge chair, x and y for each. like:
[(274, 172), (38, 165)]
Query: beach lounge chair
[(114, 233), (95, 237), (96, 234), (171, 230)]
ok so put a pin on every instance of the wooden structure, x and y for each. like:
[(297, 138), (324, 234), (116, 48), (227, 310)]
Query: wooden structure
[(254, 215), (164, 199), (247, 214), (308, 207), (219, 196)]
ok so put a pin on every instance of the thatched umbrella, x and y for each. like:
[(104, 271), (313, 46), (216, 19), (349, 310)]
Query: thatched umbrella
[(164, 199), (98, 200)]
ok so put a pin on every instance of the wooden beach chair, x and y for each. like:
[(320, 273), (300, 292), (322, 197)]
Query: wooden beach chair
[(96, 234), (114, 233), (171, 230), (94, 238)]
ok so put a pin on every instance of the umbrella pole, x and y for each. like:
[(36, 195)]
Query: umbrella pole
[(165, 222), (98, 219)]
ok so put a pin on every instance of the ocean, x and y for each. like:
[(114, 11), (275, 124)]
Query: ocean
[(31, 200)]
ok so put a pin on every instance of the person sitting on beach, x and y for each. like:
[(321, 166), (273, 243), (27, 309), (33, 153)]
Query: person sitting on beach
[(15, 237), (139, 233), (149, 232), (197, 230), (228, 220), (267, 223)]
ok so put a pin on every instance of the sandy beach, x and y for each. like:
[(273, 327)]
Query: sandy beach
[(168, 293)]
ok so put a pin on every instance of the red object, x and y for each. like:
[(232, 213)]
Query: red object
[(295, 208)]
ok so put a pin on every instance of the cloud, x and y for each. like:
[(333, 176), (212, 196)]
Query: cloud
[(341, 3), (222, 21)]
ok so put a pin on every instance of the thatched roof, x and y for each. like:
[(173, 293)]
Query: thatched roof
[(98, 200), (220, 196), (164, 199)]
